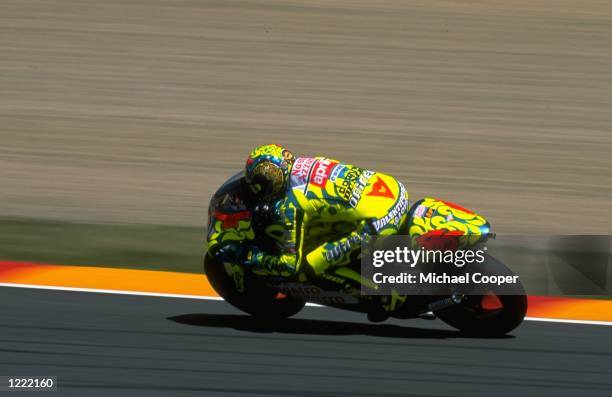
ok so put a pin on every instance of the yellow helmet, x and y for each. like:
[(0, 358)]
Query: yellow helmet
[(267, 170)]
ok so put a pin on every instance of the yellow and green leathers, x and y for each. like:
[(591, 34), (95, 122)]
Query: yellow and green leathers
[(329, 208)]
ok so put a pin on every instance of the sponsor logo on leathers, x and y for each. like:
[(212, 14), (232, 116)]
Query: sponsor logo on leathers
[(302, 166), (380, 189), (321, 172), (360, 185), (396, 213), (344, 247)]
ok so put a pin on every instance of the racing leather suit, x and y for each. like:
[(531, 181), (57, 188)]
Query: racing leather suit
[(328, 210)]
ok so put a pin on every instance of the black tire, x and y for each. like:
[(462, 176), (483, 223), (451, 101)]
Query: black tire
[(470, 317), (256, 300)]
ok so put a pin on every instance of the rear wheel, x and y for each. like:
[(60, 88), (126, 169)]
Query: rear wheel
[(491, 314), (257, 299)]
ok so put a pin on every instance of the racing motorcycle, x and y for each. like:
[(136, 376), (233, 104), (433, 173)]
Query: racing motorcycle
[(272, 298)]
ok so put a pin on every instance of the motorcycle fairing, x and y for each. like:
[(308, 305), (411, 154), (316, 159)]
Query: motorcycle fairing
[(433, 220)]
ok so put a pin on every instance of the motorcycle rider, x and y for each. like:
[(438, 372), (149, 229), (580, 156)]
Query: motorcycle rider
[(323, 210)]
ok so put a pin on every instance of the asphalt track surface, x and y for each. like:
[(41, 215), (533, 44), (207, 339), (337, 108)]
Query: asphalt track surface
[(99, 344)]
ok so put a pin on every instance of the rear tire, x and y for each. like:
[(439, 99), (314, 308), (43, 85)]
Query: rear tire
[(474, 318), (257, 299)]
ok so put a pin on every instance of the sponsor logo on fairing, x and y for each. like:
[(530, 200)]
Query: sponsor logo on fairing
[(230, 220), (316, 294), (420, 211)]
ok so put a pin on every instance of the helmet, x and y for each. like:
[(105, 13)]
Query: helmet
[(267, 170)]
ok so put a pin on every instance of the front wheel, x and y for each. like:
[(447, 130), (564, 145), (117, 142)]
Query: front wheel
[(491, 314), (257, 299)]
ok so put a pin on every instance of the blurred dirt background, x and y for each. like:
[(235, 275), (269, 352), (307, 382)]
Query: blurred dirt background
[(135, 111)]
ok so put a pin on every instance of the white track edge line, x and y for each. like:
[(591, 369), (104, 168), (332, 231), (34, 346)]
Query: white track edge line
[(217, 298), (568, 321), (111, 291)]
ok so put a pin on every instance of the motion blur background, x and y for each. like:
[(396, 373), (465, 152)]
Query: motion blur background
[(119, 119)]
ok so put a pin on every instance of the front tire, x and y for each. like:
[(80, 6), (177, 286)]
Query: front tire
[(257, 299), (491, 314)]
